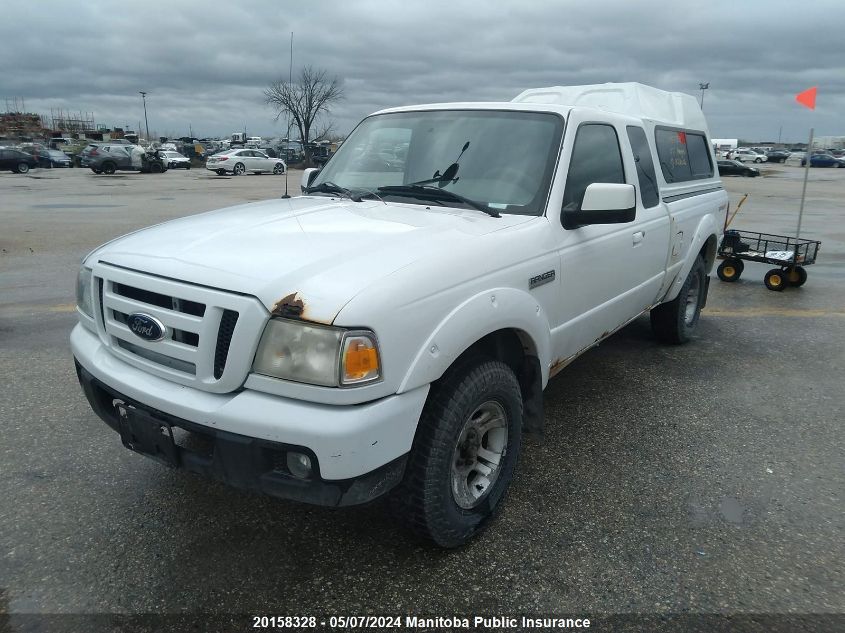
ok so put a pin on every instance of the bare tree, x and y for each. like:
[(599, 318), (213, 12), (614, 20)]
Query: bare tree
[(307, 99)]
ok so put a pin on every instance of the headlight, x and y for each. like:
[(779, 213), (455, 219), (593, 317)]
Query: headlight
[(83, 291), (317, 354)]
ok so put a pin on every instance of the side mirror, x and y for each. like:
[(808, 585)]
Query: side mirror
[(604, 203), (308, 177)]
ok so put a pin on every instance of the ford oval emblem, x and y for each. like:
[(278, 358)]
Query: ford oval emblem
[(146, 327)]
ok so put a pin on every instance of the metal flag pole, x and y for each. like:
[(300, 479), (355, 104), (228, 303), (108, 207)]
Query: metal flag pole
[(287, 143), (804, 188)]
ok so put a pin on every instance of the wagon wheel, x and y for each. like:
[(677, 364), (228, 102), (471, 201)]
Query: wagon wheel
[(730, 269), (775, 279), (796, 276)]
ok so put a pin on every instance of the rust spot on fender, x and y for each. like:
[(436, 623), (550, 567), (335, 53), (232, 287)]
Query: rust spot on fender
[(290, 306)]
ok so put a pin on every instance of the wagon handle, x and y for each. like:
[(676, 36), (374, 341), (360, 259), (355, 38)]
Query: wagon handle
[(733, 215)]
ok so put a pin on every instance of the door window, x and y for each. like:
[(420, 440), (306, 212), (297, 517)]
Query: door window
[(596, 157)]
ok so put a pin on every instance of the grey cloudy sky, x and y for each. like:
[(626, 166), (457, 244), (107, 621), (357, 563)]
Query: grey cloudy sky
[(205, 63)]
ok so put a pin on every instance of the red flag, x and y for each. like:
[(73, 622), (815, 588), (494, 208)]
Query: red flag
[(807, 98)]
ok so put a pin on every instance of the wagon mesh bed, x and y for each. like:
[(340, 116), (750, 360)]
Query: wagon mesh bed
[(779, 250)]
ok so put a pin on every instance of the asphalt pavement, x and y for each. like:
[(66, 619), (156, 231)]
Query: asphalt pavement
[(704, 478)]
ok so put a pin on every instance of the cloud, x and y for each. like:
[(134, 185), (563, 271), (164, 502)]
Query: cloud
[(205, 64)]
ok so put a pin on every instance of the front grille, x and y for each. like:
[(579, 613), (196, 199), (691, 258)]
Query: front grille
[(160, 300), (224, 339), (161, 359), (210, 335)]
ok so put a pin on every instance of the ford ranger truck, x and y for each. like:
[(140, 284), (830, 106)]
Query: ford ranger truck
[(392, 329)]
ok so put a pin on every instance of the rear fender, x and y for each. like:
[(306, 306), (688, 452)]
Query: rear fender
[(708, 227), (486, 312)]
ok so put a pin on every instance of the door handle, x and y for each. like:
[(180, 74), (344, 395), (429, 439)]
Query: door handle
[(638, 237)]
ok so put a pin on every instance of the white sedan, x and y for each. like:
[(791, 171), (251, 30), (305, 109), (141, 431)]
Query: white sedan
[(176, 160), (240, 161)]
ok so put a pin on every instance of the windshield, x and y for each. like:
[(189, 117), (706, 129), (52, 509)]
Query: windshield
[(501, 159)]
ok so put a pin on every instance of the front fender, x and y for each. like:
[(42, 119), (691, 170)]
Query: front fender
[(707, 227), (484, 313)]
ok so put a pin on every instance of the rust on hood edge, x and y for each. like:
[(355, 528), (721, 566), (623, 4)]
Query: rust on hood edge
[(290, 306)]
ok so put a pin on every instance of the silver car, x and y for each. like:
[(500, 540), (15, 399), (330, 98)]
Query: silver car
[(241, 161)]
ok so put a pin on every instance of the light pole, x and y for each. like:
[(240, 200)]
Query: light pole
[(147, 123), (703, 87)]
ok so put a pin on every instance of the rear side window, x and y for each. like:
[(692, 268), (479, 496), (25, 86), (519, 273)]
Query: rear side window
[(595, 158), (699, 156), (645, 166), (683, 155)]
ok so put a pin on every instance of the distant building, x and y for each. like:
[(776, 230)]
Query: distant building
[(724, 144)]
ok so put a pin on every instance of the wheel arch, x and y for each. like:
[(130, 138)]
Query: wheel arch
[(705, 243), (504, 324)]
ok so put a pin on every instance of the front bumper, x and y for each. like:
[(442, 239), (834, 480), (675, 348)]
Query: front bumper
[(244, 462), (347, 442)]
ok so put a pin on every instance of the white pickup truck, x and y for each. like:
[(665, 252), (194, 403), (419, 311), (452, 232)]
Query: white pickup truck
[(392, 329)]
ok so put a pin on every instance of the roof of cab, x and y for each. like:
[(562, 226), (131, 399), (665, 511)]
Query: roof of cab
[(631, 99)]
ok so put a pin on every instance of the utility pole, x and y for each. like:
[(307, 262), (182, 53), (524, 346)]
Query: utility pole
[(703, 87), (146, 122), (287, 143)]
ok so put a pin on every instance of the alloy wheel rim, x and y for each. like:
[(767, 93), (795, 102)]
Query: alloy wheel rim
[(479, 454)]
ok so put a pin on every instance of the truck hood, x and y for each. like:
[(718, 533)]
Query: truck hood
[(312, 253)]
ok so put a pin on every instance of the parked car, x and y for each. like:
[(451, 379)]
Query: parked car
[(56, 158), (747, 156), (240, 161), (16, 160), (823, 160), (736, 168), (175, 160), (332, 349), (108, 159), (777, 155)]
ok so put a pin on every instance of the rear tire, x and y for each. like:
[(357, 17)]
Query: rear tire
[(239, 169), (675, 321), (775, 279), (464, 453), (156, 168), (221, 172), (108, 168), (730, 270)]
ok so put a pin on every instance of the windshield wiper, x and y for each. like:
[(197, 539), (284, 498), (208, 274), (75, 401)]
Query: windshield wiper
[(427, 192), (330, 187)]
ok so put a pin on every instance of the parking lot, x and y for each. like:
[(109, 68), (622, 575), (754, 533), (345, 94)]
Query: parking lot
[(701, 478)]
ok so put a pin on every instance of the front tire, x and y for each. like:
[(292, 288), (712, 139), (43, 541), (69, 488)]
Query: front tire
[(675, 321), (464, 453), (239, 169), (796, 276), (108, 168), (776, 279), (23, 168), (278, 169)]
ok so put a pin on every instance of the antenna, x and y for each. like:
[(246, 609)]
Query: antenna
[(287, 143)]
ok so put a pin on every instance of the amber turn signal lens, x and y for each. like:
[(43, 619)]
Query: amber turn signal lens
[(360, 360)]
